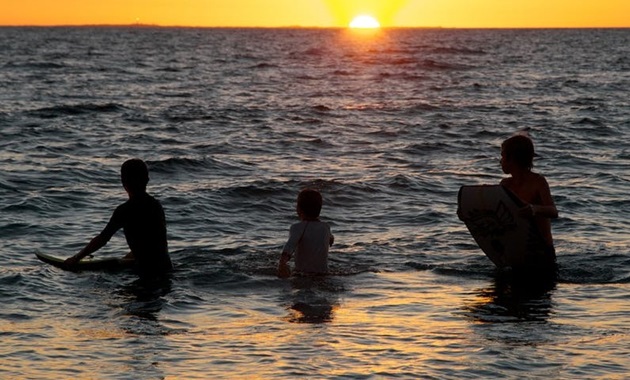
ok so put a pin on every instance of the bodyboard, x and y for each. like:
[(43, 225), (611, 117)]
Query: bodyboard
[(490, 213), (99, 264)]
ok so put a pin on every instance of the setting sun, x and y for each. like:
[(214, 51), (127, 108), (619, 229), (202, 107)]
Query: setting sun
[(364, 22), (375, 14)]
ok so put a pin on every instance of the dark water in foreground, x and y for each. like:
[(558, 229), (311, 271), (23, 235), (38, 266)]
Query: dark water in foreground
[(388, 126)]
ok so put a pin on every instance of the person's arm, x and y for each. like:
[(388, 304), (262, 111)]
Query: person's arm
[(545, 211), (547, 207), (99, 240), (94, 245), (285, 257), (295, 234), (284, 270)]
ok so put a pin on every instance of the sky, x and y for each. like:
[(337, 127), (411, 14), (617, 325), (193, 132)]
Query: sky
[(320, 13)]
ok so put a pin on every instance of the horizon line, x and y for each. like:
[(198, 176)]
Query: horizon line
[(143, 25)]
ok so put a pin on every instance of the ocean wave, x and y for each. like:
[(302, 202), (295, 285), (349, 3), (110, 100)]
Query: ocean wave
[(7, 185), (171, 69), (457, 51), (188, 112), (405, 76), (268, 189), (427, 147), (75, 109), (35, 65), (321, 108), (264, 66), (431, 64), (592, 268), (177, 164), (307, 77), (590, 121), (15, 229), (422, 106), (9, 280), (343, 73), (317, 52), (402, 61), (176, 94)]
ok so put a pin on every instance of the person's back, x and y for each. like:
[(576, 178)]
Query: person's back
[(310, 239), (143, 222), (311, 251), (517, 154)]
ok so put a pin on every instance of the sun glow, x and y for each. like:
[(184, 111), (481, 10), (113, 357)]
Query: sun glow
[(364, 22), (321, 13)]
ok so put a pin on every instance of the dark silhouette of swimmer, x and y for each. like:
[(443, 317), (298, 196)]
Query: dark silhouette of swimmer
[(143, 222), (517, 155)]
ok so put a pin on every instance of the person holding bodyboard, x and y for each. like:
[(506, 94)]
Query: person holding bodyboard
[(511, 222), (517, 160)]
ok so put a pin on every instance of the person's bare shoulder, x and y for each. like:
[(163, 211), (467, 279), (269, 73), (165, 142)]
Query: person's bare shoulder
[(539, 179)]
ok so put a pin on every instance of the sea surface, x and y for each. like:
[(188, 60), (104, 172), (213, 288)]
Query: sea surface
[(387, 125)]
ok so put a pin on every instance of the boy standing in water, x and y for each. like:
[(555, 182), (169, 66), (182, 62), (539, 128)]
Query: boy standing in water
[(143, 222), (517, 155), (309, 239)]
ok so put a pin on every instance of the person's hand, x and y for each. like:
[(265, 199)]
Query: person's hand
[(284, 271), (71, 261), (528, 211)]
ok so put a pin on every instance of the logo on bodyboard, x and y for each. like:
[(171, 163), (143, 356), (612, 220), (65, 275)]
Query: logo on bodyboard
[(485, 223)]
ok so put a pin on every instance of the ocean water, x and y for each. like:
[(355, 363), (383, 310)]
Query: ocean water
[(388, 126)]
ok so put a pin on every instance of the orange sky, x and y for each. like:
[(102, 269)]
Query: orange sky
[(320, 13)]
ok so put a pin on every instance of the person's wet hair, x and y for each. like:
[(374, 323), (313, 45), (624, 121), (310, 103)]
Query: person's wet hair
[(134, 174), (519, 149), (310, 203)]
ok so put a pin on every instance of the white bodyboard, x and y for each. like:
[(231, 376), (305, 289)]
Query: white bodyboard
[(491, 215)]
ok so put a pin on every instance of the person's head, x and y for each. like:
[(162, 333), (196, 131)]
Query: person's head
[(134, 175), (309, 204), (518, 150)]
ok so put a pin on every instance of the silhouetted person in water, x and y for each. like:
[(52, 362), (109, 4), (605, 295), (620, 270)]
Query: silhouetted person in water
[(517, 155), (143, 222), (309, 239)]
